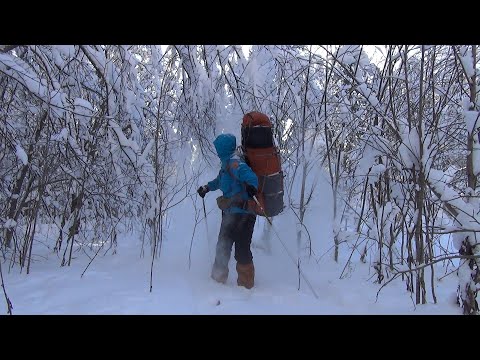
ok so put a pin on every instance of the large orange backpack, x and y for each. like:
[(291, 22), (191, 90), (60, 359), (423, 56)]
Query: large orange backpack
[(261, 154)]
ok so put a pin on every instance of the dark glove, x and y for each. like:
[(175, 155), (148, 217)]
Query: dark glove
[(202, 190), (251, 190)]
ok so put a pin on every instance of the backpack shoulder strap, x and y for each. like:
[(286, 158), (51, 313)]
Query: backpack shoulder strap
[(236, 200), (229, 169)]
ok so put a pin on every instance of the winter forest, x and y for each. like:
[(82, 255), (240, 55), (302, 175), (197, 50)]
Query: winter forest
[(96, 140)]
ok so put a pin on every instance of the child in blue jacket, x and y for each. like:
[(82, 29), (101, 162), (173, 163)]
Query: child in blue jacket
[(239, 184)]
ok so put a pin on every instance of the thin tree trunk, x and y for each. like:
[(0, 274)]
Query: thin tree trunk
[(420, 197), (7, 299), (469, 245), (13, 213), (303, 159)]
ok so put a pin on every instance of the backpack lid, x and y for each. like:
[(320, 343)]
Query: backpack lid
[(255, 118)]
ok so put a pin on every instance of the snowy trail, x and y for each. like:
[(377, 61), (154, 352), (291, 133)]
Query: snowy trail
[(120, 283)]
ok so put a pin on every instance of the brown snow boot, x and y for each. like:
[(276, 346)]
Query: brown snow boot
[(246, 275)]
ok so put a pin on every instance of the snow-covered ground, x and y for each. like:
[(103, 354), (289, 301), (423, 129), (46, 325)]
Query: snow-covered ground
[(120, 283)]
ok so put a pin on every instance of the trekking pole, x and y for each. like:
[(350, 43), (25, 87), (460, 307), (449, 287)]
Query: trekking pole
[(204, 211), (264, 213), (286, 249), (206, 225)]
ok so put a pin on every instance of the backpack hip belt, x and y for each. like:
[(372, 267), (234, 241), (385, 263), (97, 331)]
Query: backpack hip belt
[(225, 203)]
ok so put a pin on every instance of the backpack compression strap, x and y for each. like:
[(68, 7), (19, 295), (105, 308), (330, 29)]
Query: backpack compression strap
[(236, 201)]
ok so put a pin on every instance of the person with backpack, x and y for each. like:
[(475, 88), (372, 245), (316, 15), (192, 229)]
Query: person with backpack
[(239, 185)]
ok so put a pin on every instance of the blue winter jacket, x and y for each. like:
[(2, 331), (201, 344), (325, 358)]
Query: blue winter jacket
[(225, 144)]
